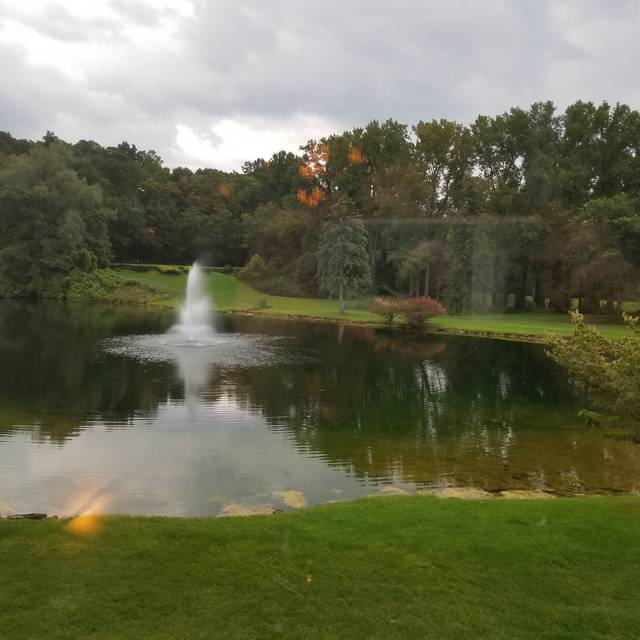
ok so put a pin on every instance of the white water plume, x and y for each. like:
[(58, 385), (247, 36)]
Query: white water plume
[(195, 326)]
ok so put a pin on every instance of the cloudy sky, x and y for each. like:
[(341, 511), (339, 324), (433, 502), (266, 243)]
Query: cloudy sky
[(218, 82)]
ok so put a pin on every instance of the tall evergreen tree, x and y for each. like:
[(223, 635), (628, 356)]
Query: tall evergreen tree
[(343, 261)]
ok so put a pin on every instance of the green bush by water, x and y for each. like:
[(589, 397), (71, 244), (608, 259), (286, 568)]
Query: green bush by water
[(108, 286)]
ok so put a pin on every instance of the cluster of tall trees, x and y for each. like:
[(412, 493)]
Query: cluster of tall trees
[(528, 208)]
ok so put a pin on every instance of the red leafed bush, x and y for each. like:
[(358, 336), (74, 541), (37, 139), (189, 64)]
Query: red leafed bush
[(386, 307), (416, 311)]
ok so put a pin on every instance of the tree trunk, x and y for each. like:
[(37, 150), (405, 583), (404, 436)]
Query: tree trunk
[(611, 305), (560, 301), (426, 281), (521, 293), (619, 302), (588, 304), (538, 294), (373, 244), (341, 298)]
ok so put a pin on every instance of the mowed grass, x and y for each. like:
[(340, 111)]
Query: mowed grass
[(231, 294), (529, 323), (378, 568)]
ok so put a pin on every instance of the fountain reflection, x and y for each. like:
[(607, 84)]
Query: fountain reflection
[(195, 370)]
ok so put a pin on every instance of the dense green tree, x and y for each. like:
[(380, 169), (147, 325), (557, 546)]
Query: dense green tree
[(275, 180), (531, 207), (444, 154), (51, 223), (540, 161), (422, 264), (13, 146), (343, 262)]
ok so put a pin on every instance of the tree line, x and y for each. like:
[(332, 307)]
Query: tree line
[(529, 208)]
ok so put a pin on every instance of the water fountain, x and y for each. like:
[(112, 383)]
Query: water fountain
[(193, 343), (194, 327)]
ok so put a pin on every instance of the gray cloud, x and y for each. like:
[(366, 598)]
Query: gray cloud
[(57, 22), (141, 70)]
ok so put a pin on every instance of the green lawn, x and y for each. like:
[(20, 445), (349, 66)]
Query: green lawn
[(232, 295), (534, 324), (379, 568)]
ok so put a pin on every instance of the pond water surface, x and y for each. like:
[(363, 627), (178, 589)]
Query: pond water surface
[(280, 414)]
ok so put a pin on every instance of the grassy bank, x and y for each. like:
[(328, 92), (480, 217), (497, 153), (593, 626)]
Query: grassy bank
[(528, 324), (401, 567), (233, 295)]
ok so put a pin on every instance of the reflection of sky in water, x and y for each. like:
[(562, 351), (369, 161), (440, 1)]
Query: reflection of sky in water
[(204, 452), (331, 412), (202, 455)]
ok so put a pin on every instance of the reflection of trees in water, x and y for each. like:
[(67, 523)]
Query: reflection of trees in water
[(467, 411), (378, 404), (53, 378)]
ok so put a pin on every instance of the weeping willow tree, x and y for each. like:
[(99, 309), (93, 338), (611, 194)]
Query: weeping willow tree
[(343, 261)]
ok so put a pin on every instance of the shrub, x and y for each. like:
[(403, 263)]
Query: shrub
[(170, 269), (92, 286), (105, 285), (272, 279), (386, 307), (606, 369), (263, 303), (254, 270), (416, 311)]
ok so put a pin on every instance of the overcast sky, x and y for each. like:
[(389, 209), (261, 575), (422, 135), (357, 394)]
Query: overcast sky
[(218, 82)]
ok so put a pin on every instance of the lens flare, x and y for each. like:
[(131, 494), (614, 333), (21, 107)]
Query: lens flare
[(88, 508), (316, 197), (84, 526), (356, 156)]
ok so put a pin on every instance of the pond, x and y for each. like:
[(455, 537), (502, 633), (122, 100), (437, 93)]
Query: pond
[(279, 414)]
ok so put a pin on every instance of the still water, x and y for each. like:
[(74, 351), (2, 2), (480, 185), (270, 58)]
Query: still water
[(279, 414)]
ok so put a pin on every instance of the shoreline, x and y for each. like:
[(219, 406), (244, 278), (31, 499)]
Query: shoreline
[(350, 322), (257, 313), (429, 329), (453, 494)]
